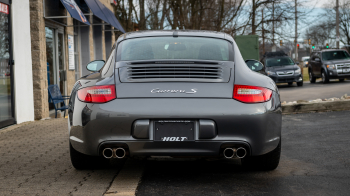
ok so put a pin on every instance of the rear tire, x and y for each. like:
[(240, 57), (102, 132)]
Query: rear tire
[(325, 78), (300, 83), (311, 77), (264, 162), (81, 161), (341, 80)]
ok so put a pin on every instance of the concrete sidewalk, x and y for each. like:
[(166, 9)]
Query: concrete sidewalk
[(34, 160)]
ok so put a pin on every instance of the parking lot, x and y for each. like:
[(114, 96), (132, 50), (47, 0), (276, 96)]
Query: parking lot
[(315, 160), (314, 91)]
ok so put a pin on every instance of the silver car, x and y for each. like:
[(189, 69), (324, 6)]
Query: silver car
[(175, 93)]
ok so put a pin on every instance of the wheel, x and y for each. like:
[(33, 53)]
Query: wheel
[(290, 83), (300, 83), (341, 80), (81, 161), (325, 78), (311, 77), (264, 162)]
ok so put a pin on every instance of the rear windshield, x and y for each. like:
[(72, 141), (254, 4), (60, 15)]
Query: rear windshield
[(279, 61), (335, 55), (154, 48)]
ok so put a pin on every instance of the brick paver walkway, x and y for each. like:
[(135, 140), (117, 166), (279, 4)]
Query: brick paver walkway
[(34, 160)]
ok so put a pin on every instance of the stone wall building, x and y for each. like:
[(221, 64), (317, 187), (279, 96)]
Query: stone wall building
[(48, 42), (50, 32)]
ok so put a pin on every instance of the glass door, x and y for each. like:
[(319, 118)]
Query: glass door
[(60, 60), (50, 59), (6, 78), (56, 73)]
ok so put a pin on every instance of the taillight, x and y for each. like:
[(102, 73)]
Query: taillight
[(97, 94), (251, 94)]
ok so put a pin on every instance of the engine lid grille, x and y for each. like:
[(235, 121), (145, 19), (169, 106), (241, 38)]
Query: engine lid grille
[(195, 73)]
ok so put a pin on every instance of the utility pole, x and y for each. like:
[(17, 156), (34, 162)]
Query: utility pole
[(253, 17), (337, 20), (296, 32), (263, 33), (273, 23)]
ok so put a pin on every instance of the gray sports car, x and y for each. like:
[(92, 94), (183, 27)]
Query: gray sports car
[(178, 94)]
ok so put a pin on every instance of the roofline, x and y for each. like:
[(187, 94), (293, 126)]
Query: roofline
[(180, 33)]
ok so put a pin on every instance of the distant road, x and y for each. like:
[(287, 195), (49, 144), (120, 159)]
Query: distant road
[(314, 91)]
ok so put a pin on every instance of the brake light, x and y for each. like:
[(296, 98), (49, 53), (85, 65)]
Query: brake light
[(251, 94), (97, 94)]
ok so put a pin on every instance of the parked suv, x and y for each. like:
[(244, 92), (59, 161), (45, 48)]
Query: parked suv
[(329, 64), (281, 68)]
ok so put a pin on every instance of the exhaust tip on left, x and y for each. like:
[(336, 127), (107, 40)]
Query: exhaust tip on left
[(107, 153), (229, 153)]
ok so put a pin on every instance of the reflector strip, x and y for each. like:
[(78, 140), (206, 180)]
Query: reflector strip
[(248, 91)]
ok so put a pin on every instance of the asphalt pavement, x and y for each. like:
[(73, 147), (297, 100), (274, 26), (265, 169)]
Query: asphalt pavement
[(314, 91), (34, 160), (315, 161)]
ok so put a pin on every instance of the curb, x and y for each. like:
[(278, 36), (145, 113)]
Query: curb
[(324, 106)]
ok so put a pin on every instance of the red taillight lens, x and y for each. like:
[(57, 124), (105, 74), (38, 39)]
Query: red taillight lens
[(251, 94), (97, 94)]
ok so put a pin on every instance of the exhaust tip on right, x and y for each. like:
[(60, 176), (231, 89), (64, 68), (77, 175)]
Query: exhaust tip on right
[(107, 153), (241, 153), (119, 153)]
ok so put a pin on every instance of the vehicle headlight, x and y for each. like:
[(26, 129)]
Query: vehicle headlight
[(271, 73), (298, 71), (331, 66)]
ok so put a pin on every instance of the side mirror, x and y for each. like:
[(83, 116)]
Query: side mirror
[(95, 66), (254, 65), (317, 59), (297, 63)]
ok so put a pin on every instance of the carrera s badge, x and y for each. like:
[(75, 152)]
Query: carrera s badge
[(157, 90)]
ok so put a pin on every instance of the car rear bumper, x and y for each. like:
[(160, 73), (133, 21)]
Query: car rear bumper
[(286, 79), (257, 126)]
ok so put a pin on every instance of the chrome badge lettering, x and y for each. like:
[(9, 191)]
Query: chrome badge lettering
[(174, 139), (157, 90)]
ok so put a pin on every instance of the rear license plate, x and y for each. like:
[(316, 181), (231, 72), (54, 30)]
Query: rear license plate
[(346, 70), (174, 130)]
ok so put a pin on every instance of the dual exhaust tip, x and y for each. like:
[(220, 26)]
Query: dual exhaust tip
[(109, 153), (230, 153)]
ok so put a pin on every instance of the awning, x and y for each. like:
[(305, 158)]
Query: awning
[(95, 8), (74, 11), (103, 13), (113, 20)]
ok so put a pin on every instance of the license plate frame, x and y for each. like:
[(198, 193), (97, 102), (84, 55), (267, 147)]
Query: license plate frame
[(174, 130)]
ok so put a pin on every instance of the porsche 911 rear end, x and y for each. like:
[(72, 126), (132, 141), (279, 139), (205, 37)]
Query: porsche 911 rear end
[(175, 93)]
